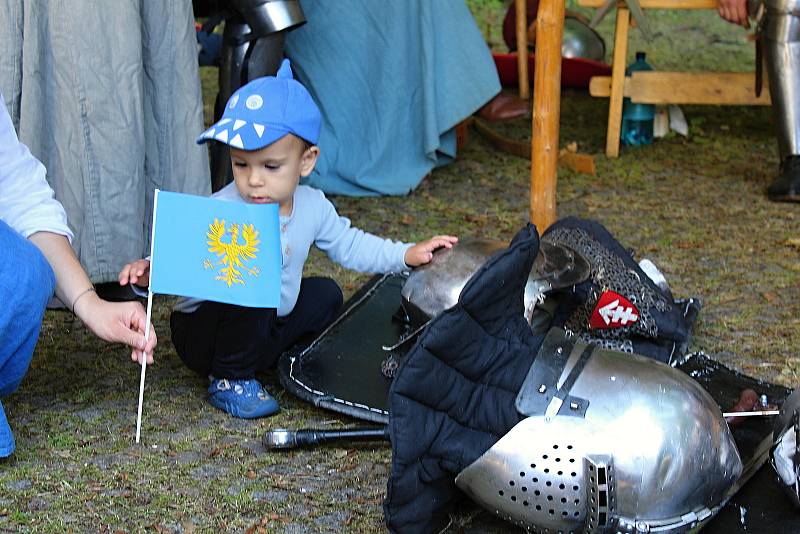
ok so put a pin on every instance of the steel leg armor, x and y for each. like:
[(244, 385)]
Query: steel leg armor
[(780, 31), (252, 47)]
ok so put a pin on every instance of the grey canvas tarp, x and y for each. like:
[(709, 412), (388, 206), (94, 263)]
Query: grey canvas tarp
[(106, 94)]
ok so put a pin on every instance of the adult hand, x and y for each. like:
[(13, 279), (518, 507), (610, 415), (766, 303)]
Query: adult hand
[(120, 322), (422, 253), (137, 273), (734, 11)]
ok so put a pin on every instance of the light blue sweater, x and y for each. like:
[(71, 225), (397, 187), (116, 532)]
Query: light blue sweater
[(314, 221)]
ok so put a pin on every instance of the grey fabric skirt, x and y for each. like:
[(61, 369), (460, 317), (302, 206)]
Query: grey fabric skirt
[(107, 95)]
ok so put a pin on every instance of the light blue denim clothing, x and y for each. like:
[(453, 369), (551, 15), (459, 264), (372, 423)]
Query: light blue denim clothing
[(392, 80), (107, 96), (26, 284)]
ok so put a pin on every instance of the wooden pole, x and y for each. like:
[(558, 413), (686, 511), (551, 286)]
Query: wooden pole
[(617, 81), (522, 49), (546, 112)]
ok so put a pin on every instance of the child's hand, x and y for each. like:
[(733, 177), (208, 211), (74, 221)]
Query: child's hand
[(422, 253), (137, 273)]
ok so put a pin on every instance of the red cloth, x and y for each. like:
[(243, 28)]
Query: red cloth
[(575, 72)]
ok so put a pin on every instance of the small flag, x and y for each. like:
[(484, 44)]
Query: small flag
[(216, 250)]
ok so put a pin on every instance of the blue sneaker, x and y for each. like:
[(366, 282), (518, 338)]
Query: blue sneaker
[(241, 398)]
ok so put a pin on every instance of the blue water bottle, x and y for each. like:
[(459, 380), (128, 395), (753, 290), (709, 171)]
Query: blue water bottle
[(637, 119)]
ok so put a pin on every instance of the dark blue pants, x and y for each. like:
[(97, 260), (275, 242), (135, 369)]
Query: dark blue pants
[(234, 342), (26, 284)]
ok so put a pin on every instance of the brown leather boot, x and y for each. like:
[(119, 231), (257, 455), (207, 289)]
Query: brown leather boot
[(504, 106)]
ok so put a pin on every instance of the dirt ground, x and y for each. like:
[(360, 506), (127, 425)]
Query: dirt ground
[(695, 206)]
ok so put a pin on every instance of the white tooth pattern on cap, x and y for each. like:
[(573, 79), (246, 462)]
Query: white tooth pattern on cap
[(238, 123), (223, 121), (236, 141), (209, 133), (234, 100), (222, 136), (259, 128)]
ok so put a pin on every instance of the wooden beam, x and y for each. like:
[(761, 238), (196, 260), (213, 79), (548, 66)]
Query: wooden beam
[(661, 4), (546, 113), (522, 49), (618, 80), (660, 87)]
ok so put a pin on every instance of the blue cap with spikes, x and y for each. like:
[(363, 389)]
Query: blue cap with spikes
[(264, 110)]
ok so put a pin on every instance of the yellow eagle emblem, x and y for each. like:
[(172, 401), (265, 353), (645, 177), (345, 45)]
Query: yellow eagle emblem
[(233, 254)]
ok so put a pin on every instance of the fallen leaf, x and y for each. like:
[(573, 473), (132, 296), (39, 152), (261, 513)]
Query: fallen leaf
[(770, 297), (793, 242), (476, 218), (407, 219)]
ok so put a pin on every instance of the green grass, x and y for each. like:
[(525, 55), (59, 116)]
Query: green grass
[(695, 206)]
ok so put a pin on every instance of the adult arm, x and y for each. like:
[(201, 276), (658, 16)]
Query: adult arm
[(28, 205), (122, 322)]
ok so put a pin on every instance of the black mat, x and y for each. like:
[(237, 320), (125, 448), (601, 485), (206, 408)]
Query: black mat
[(340, 371)]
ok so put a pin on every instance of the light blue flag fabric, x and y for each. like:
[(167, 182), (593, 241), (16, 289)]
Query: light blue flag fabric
[(216, 250)]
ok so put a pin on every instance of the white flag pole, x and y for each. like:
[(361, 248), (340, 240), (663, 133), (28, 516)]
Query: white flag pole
[(147, 325)]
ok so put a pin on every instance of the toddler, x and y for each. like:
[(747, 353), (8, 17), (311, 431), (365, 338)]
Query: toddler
[(271, 126)]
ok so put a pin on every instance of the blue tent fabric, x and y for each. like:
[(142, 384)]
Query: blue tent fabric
[(392, 80)]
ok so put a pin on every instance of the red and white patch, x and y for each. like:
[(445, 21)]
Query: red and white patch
[(613, 311)]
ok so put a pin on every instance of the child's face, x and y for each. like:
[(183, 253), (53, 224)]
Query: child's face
[(271, 174)]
